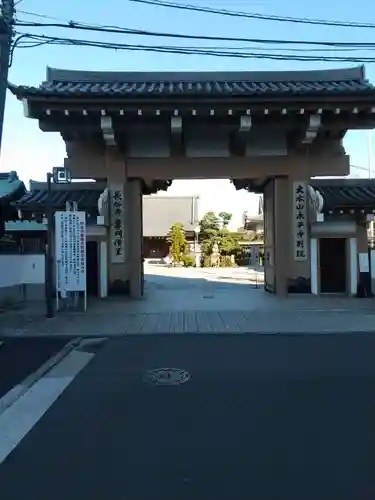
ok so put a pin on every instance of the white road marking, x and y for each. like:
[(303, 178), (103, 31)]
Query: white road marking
[(20, 418), (20, 389)]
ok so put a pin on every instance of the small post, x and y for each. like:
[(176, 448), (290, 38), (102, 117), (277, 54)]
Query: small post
[(196, 246), (49, 267)]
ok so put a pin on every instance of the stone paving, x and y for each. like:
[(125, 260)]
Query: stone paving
[(199, 301)]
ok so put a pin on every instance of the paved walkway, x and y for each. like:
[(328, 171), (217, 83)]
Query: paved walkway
[(199, 301)]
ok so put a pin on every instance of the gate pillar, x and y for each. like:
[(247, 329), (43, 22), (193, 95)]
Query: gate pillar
[(276, 241), (286, 236), (118, 230), (136, 271)]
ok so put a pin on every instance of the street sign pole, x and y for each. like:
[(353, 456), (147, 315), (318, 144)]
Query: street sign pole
[(59, 175), (49, 268)]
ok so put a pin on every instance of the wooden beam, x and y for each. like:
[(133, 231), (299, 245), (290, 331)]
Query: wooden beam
[(315, 122), (26, 108), (239, 138), (245, 124), (108, 132), (176, 136)]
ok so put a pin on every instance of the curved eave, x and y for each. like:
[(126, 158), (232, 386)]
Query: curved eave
[(20, 91), (16, 192)]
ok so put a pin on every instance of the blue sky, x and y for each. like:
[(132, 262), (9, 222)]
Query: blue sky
[(31, 153)]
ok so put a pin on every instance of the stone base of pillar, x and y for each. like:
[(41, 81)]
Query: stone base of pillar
[(299, 285), (269, 288), (119, 287)]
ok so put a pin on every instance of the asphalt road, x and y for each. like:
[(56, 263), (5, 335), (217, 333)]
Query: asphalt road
[(263, 417), (19, 357)]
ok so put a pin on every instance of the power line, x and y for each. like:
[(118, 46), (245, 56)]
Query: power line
[(28, 40), (29, 44), (262, 17), (358, 167), (60, 19), (132, 31), (220, 47)]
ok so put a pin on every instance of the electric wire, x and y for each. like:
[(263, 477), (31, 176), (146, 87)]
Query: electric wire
[(252, 15), (186, 50)]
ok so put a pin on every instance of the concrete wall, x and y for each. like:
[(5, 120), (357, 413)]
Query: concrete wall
[(21, 277)]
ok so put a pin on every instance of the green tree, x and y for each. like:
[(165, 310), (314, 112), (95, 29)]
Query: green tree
[(225, 217), (178, 244), (229, 242), (214, 229), (210, 224), (209, 230)]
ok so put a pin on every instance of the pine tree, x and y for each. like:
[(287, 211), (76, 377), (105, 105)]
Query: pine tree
[(178, 243)]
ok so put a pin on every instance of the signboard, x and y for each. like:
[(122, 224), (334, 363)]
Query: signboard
[(300, 222), (117, 224), (70, 250), (364, 262)]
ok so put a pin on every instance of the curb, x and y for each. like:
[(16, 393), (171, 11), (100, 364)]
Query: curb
[(19, 390)]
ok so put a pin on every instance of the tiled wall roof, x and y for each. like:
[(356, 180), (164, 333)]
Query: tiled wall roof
[(204, 84)]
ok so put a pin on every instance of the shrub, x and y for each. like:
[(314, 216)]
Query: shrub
[(188, 261), (225, 261)]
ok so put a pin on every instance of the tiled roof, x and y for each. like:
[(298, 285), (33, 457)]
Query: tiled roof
[(25, 225), (65, 83), (356, 194), (36, 199), (161, 212), (11, 187)]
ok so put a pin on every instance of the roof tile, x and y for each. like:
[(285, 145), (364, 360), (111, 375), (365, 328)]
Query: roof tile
[(346, 193), (200, 84), (87, 199), (10, 186), (205, 89)]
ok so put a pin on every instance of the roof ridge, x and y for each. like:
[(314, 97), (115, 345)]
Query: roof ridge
[(343, 74), (9, 176)]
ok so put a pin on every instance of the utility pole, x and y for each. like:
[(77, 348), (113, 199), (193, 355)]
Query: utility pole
[(6, 35)]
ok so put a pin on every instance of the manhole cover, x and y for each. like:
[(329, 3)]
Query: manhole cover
[(166, 376)]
